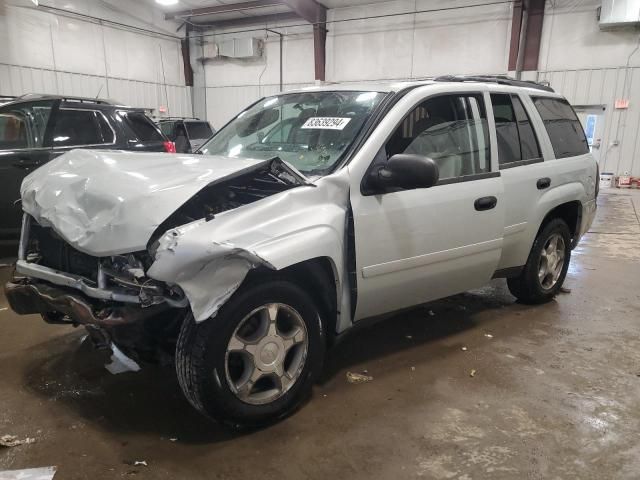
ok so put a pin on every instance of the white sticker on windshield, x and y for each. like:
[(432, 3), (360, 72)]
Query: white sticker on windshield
[(326, 123)]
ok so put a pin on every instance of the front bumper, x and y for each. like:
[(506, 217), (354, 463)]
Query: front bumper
[(27, 296)]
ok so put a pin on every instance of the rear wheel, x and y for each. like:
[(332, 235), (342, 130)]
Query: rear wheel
[(545, 271), (256, 360)]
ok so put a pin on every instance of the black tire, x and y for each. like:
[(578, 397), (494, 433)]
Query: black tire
[(527, 287), (201, 349)]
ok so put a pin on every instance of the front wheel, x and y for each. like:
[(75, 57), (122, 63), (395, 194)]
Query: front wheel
[(256, 360), (545, 271)]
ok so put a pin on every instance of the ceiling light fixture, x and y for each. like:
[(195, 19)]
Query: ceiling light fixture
[(167, 2)]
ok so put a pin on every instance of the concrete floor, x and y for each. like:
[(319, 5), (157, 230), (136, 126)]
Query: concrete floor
[(556, 393)]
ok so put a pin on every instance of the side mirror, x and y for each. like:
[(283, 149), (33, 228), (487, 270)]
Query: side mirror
[(403, 171)]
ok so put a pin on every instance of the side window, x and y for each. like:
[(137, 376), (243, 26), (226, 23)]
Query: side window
[(24, 125), (516, 139), (166, 128), (143, 128), (564, 129), (75, 127), (452, 130), (529, 147)]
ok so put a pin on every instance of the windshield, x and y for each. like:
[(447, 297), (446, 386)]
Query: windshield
[(309, 130)]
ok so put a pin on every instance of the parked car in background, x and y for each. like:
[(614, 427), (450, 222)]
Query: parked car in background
[(187, 133), (308, 213), (35, 129)]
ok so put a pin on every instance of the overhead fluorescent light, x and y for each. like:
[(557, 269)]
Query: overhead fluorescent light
[(167, 2)]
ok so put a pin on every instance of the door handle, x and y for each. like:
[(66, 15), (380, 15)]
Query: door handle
[(485, 203), (543, 183), (25, 162)]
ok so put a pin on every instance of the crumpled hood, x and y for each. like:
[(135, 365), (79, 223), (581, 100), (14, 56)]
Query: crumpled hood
[(110, 202)]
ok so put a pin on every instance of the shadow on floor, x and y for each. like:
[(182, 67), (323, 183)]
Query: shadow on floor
[(68, 371)]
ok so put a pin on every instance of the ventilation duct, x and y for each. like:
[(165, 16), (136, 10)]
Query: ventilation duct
[(619, 13)]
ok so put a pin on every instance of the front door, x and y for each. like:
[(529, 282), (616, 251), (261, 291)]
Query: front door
[(23, 127), (413, 246)]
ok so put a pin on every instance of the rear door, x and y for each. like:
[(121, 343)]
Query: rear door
[(521, 165), (144, 135), (23, 129)]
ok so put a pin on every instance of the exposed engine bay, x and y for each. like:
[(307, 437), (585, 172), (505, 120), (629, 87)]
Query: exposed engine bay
[(231, 193), (128, 245)]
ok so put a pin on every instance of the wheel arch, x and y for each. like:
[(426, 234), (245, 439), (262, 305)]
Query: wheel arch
[(570, 212), (318, 277)]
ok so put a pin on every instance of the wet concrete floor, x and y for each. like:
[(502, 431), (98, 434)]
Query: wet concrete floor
[(556, 391)]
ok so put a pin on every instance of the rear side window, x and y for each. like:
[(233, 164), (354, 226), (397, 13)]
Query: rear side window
[(564, 129), (75, 127), (166, 128), (198, 129), (450, 129), (143, 128), (516, 138)]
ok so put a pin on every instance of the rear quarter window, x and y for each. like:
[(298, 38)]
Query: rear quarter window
[(198, 129), (564, 129), (142, 126)]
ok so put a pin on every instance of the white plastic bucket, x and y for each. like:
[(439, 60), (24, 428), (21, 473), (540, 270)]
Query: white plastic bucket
[(606, 180)]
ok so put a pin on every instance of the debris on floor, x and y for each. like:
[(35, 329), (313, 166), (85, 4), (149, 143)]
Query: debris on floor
[(413, 369), (353, 377), (488, 335), (472, 373), (120, 363), (431, 313), (408, 337), (13, 441), (140, 463), (464, 349), (565, 290), (44, 473)]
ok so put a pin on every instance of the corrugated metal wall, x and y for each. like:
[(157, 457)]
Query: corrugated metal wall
[(17, 80), (621, 140)]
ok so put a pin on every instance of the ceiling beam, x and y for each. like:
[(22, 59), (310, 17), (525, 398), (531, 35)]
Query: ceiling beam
[(310, 10), (316, 14), (246, 20), (234, 7)]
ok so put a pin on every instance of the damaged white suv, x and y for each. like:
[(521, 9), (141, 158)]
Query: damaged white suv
[(307, 213)]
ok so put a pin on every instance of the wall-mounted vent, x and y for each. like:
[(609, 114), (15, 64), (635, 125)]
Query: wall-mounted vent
[(619, 13), (246, 48)]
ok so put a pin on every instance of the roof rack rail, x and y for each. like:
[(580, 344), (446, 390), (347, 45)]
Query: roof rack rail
[(499, 79), (65, 98), (178, 118)]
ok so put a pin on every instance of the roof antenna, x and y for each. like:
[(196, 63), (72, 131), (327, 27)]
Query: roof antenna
[(98, 94)]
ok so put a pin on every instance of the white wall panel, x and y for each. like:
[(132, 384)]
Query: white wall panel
[(46, 53), (25, 36), (374, 48)]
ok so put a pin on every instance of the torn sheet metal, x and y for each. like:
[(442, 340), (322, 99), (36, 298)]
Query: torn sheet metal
[(120, 363), (210, 259), (109, 202), (44, 473)]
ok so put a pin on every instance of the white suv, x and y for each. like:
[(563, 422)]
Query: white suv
[(307, 213)]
